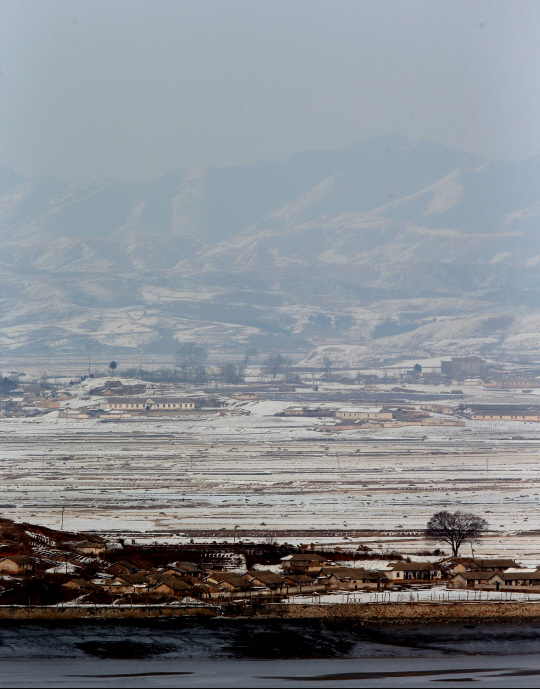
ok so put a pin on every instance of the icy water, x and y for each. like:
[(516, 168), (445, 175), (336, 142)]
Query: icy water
[(223, 653)]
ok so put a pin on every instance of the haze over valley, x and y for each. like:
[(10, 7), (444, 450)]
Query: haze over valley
[(387, 245)]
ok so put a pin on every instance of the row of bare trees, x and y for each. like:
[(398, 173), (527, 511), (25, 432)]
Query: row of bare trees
[(191, 357)]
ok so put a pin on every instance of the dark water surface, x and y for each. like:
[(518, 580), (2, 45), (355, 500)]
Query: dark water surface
[(176, 653)]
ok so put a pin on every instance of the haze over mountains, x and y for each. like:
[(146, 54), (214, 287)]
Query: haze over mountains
[(441, 247)]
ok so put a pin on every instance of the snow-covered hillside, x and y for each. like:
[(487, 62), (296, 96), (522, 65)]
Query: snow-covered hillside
[(278, 253)]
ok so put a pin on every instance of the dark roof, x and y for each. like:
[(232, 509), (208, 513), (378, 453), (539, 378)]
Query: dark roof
[(478, 575), (173, 582), (229, 577), (133, 578), (126, 565), (266, 576), (353, 573), (510, 576), (187, 567), (311, 557), (300, 579), (414, 567), (20, 559), (503, 562)]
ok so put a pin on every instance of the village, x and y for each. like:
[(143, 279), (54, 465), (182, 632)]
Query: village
[(382, 401), (43, 567)]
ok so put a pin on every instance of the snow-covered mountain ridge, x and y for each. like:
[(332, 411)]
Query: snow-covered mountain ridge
[(317, 246)]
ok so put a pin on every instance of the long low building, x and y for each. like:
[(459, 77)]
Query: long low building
[(506, 413), (150, 403), (373, 413), (512, 384)]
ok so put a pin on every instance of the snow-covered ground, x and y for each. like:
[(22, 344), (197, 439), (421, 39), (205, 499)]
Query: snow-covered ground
[(437, 594), (200, 476)]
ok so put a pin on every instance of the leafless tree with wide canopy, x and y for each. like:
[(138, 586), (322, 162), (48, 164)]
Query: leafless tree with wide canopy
[(455, 528)]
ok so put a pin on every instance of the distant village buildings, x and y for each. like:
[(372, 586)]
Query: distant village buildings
[(494, 412), (150, 403), (375, 413), (464, 367)]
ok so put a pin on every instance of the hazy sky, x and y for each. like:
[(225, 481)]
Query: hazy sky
[(131, 88)]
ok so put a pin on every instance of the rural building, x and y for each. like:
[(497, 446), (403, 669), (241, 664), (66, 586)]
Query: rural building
[(90, 548), (471, 580), (126, 583), (79, 585), (226, 580), (47, 404), (150, 403), (406, 571), (374, 414), (304, 562), (301, 583), (514, 383), (464, 367), (171, 586), (264, 578), (185, 569), (123, 567), (464, 564), (351, 578), (521, 577), (17, 564), (506, 413), (297, 410)]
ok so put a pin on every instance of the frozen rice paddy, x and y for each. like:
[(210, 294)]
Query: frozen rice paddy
[(204, 477)]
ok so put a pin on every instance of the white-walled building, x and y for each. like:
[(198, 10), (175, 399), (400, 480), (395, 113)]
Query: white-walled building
[(150, 403)]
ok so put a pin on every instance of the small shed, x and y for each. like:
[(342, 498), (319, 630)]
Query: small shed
[(17, 564)]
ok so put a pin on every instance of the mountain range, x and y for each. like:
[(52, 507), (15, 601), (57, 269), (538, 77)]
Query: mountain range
[(389, 245)]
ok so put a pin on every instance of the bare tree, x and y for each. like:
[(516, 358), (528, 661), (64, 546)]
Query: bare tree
[(276, 364), (229, 373), (455, 529), (327, 363), (190, 355), (249, 354)]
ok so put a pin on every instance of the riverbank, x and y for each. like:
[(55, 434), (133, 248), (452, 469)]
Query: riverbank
[(368, 614)]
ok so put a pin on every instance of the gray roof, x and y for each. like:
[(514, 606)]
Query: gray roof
[(511, 576)]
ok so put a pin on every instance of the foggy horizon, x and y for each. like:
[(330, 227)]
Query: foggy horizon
[(116, 90)]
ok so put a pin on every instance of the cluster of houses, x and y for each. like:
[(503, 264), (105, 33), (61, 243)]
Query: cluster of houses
[(305, 573), (299, 574), (30, 400), (371, 417), (492, 575)]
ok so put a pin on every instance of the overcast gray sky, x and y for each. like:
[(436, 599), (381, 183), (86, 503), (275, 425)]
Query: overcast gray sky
[(131, 88)]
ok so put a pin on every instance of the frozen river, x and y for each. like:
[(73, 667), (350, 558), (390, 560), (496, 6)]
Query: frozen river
[(248, 654)]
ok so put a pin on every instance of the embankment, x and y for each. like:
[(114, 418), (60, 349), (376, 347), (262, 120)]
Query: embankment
[(363, 614)]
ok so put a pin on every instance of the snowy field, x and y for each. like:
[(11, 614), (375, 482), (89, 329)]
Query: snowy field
[(201, 476)]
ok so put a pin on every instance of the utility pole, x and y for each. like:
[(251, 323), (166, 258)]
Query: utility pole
[(62, 526)]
